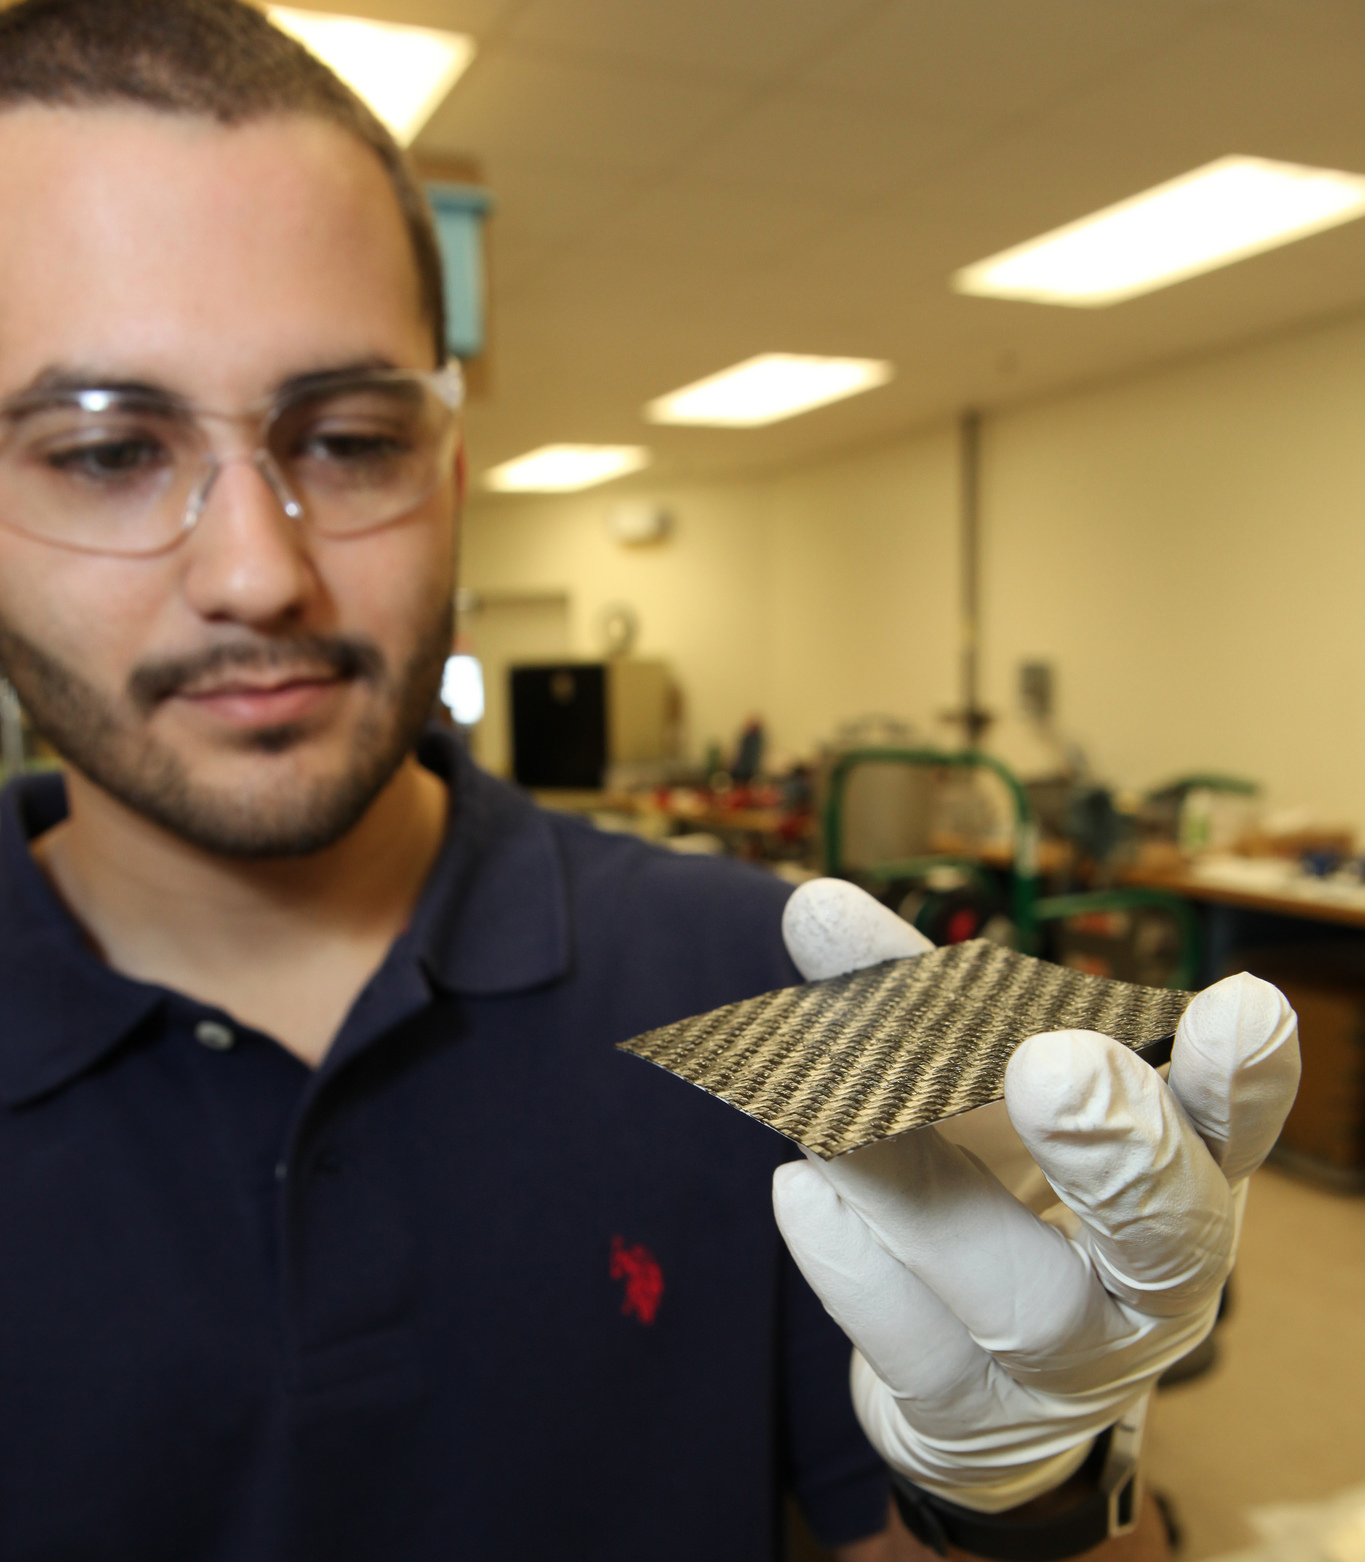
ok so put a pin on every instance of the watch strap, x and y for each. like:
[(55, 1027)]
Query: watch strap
[(1100, 1500)]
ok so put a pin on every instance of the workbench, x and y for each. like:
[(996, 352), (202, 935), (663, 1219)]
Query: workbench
[(1314, 900), (1305, 936)]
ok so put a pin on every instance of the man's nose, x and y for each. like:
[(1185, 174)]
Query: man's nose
[(248, 559)]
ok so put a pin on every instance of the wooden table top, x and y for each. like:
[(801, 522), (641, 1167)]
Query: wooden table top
[(1312, 900)]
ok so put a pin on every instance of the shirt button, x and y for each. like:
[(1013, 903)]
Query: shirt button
[(215, 1035)]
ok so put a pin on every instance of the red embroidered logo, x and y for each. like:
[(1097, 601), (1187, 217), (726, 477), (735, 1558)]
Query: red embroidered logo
[(638, 1267)]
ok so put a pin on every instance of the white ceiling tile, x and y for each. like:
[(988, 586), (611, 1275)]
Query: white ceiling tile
[(1013, 188), (508, 105), (684, 224), (752, 39), (1338, 25), (541, 199), (479, 17), (793, 142), (1232, 87), (986, 60), (514, 263)]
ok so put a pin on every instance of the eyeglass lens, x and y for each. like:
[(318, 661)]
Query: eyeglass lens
[(121, 474)]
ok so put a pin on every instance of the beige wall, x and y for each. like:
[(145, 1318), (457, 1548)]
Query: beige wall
[(1187, 547), (863, 581)]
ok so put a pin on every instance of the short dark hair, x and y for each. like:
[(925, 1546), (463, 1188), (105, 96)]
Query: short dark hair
[(217, 58)]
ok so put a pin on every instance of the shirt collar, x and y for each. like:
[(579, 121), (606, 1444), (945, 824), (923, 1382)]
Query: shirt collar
[(63, 1008), (492, 919)]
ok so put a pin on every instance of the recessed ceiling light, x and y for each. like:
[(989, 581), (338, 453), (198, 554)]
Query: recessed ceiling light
[(1225, 211), (768, 388), (401, 72), (562, 468)]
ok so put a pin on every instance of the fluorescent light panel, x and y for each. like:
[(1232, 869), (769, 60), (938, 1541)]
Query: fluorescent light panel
[(1225, 211), (768, 388), (565, 468), (401, 72)]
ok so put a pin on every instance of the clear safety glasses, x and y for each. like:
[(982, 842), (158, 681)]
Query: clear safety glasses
[(128, 470)]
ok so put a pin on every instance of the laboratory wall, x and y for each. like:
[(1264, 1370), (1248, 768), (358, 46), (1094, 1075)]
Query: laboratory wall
[(702, 597), (1187, 547), (809, 599), (863, 571)]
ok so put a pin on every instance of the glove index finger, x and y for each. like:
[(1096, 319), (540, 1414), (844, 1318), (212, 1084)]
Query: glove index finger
[(1157, 1214), (831, 926)]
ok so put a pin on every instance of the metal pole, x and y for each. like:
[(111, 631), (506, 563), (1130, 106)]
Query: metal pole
[(973, 719)]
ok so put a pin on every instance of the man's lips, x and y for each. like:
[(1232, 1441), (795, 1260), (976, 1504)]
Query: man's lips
[(244, 702), (255, 669)]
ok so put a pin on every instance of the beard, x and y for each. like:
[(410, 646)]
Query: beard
[(292, 815)]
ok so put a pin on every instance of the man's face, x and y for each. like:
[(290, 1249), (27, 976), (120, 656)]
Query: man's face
[(254, 687)]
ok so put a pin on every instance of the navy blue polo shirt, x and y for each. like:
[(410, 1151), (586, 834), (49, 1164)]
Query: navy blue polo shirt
[(478, 1287)]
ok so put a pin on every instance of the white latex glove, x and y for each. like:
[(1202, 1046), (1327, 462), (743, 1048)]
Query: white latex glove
[(992, 1346)]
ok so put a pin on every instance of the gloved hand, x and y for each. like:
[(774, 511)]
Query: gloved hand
[(993, 1345)]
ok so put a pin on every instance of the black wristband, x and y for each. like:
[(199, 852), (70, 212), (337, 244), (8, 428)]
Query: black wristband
[(1099, 1509)]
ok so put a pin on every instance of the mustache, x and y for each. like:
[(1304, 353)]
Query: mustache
[(342, 656)]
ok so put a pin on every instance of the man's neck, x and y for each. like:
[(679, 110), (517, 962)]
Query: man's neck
[(284, 945)]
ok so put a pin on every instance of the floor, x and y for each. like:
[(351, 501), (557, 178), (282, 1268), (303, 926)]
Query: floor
[(1281, 1418)]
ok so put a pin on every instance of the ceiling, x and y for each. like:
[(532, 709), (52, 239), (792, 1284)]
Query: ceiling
[(682, 183)]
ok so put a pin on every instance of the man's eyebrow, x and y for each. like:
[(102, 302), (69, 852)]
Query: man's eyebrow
[(320, 379), (60, 382)]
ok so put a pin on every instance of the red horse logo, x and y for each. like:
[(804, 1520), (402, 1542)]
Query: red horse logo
[(638, 1267)]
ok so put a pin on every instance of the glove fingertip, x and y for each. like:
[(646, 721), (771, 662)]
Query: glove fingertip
[(801, 1194), (1054, 1082), (831, 926), (1242, 1017), (1235, 1069)]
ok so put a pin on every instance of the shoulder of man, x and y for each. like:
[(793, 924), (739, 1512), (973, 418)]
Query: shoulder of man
[(719, 917)]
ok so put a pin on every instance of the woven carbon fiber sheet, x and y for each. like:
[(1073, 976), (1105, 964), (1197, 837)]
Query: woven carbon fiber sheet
[(840, 1063)]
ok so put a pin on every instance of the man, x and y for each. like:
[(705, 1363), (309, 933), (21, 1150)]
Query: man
[(333, 1226)]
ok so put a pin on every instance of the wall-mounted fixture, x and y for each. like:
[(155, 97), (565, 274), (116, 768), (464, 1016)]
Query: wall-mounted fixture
[(636, 522), (618, 628)]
